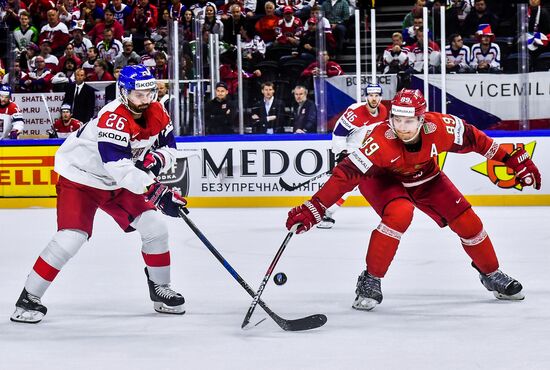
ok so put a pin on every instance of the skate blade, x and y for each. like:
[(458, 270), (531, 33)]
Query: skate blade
[(519, 296), (26, 316), (325, 226), (364, 304), (173, 310)]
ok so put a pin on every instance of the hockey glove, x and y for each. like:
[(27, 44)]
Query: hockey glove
[(52, 134), (308, 215), (527, 174), (153, 162), (14, 134), (166, 200)]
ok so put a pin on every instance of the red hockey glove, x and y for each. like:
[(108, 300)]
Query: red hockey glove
[(527, 174), (153, 161), (308, 215), (14, 134), (166, 200)]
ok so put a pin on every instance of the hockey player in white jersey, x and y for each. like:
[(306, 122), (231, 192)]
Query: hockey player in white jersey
[(349, 132), (11, 120), (111, 163)]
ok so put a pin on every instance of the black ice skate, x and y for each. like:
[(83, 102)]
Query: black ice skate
[(502, 285), (326, 223), (28, 309), (369, 292), (164, 298)]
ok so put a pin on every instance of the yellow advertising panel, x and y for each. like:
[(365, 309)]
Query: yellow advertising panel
[(27, 171)]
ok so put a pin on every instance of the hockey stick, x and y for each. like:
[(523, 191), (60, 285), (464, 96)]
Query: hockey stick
[(252, 307), (304, 323), (288, 187)]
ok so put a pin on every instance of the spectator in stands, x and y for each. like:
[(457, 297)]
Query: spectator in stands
[(409, 33), (70, 54), (253, 48), (416, 54), (250, 8), (479, 15), (304, 112), (121, 11), (80, 97), (109, 47), (308, 42), (38, 10), (93, 56), (91, 13), (68, 11), (96, 34), (14, 78), (268, 116), (64, 125), (148, 56), (232, 25), (65, 75), (52, 62), (486, 53), (163, 95), (211, 23), (127, 52), (187, 25), (229, 73), (25, 33), (456, 15), (160, 70), (101, 72), (27, 57), (337, 13), (143, 18), (80, 43), (314, 70), (457, 55), (289, 29), (55, 31), (396, 56), (265, 26), (177, 10), (39, 79), (415, 12), (220, 112)]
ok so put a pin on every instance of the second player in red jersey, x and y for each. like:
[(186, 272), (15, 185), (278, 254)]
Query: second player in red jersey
[(396, 171)]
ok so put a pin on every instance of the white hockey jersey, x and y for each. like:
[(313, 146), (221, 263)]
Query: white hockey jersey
[(352, 126), (10, 119), (102, 153)]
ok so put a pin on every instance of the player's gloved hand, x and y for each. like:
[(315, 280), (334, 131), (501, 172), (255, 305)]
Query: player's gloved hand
[(153, 161), (14, 134), (308, 214), (340, 156), (52, 134), (527, 174), (167, 201)]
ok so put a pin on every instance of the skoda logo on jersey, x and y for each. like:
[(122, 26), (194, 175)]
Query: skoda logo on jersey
[(143, 85)]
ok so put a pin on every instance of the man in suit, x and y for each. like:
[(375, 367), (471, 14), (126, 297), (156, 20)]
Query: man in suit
[(80, 97), (268, 116), (304, 112)]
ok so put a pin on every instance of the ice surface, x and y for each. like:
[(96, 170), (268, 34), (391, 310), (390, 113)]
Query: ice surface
[(435, 313)]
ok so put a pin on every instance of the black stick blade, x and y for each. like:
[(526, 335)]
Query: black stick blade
[(304, 323)]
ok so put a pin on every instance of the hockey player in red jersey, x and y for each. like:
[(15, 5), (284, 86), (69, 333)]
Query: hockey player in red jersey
[(111, 163), (64, 125), (11, 120), (396, 171), (348, 134)]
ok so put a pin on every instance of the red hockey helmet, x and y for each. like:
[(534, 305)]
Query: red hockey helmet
[(409, 103)]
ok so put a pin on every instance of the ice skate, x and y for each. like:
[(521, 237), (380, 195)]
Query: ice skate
[(28, 309), (326, 223), (369, 292), (503, 286), (164, 298)]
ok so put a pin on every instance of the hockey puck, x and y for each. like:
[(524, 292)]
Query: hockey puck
[(279, 278)]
